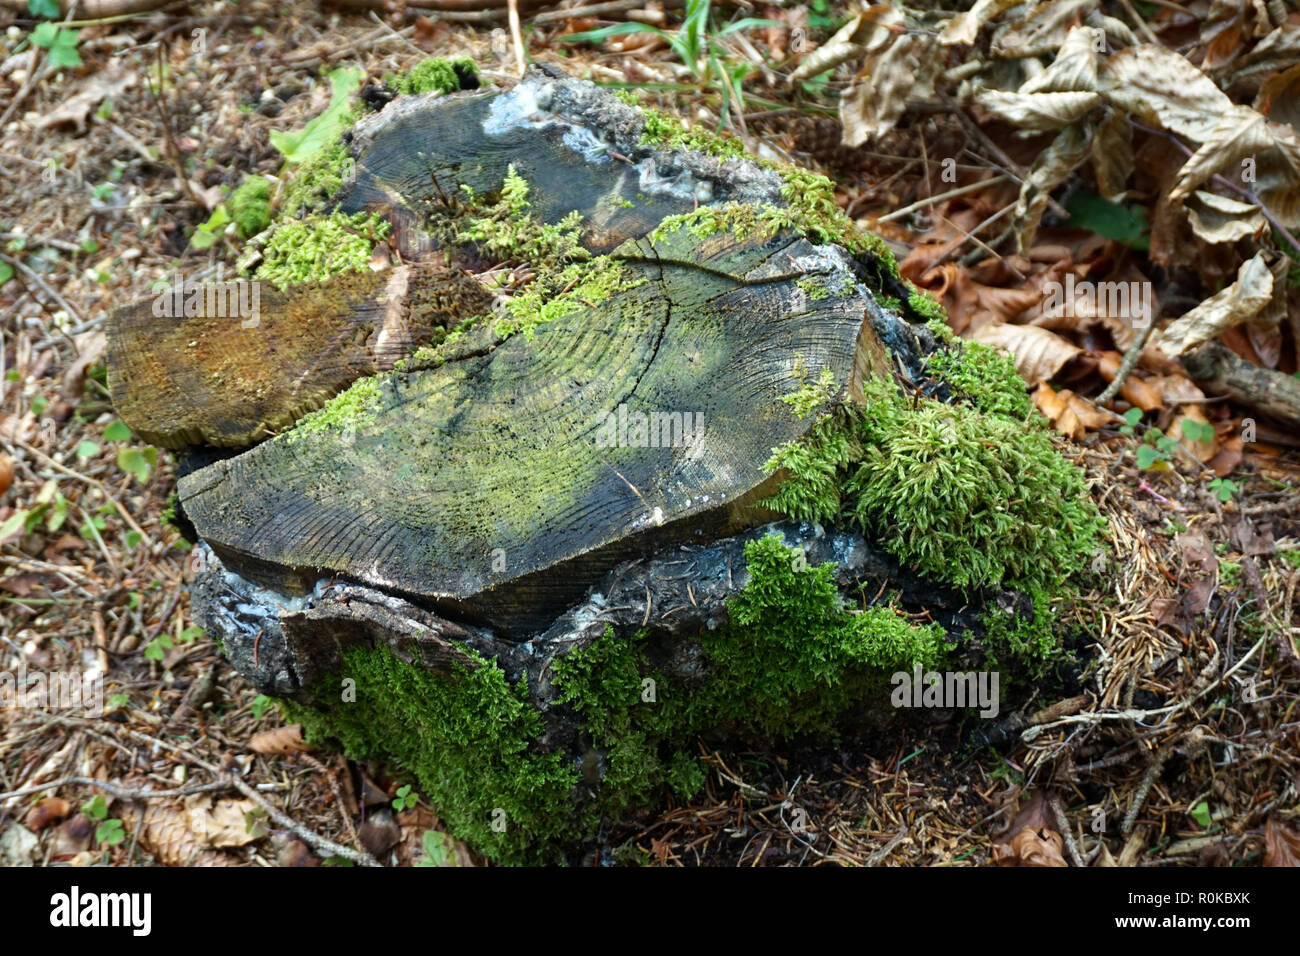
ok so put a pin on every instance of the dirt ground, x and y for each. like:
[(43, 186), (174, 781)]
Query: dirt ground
[(1172, 739)]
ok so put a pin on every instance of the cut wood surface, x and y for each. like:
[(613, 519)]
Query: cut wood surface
[(502, 483), (242, 368)]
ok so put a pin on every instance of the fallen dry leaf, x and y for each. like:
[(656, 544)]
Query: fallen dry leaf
[(48, 811), (1281, 845), (219, 823), (1227, 308), (279, 740), (1038, 353), (1032, 839)]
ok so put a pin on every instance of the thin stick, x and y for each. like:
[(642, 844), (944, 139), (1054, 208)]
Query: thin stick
[(931, 200), (517, 37), (1126, 365)]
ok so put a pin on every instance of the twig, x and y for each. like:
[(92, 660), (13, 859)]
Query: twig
[(1127, 364), (40, 284), (931, 200), (116, 790), (517, 36), (1067, 834)]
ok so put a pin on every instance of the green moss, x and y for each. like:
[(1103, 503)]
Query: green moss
[(467, 737), (318, 247), (1028, 641), (667, 132), (250, 206), (982, 374), (436, 73), (582, 286), (818, 286), (792, 660), (815, 213), (964, 497), (810, 396), (926, 308), (317, 179), (351, 408), (507, 230)]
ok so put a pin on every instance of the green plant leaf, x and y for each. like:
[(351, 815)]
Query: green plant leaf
[(117, 431), (6, 272), (132, 461), (87, 449), (298, 145), (1124, 224), (96, 808), (1147, 456), (110, 832), (1201, 814)]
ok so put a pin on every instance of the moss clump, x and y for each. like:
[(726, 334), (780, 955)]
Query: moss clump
[(250, 206), (667, 132), (964, 497), (351, 408), (581, 286), (508, 231), (468, 738), (926, 308), (318, 247), (981, 374), (1029, 640), (815, 213), (436, 73), (818, 287), (317, 179), (792, 660)]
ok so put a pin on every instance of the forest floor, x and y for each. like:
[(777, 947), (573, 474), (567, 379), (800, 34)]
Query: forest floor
[(1172, 737)]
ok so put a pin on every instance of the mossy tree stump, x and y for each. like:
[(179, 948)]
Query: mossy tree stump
[(529, 562)]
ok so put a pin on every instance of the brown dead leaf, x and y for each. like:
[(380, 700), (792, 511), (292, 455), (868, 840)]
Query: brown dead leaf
[(96, 88), (1202, 451), (1070, 413), (279, 740), (6, 473), (1032, 839), (1281, 844), (1225, 309), (219, 823), (1038, 353)]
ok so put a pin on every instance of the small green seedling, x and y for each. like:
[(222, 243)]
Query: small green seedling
[(1224, 488), (406, 798), (110, 828)]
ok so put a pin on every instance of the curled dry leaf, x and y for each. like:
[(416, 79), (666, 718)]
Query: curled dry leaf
[(1075, 65), (1281, 844), (279, 740), (1032, 839), (48, 811), (219, 823), (1227, 308), (1218, 219), (868, 31), (1112, 155), (1037, 111), (1041, 29), (1038, 353), (1279, 97), (1049, 170), (1160, 87), (902, 71), (1241, 134), (6, 473), (1069, 413), (965, 27)]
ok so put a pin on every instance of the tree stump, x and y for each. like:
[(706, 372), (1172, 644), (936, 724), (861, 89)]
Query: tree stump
[(529, 564)]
